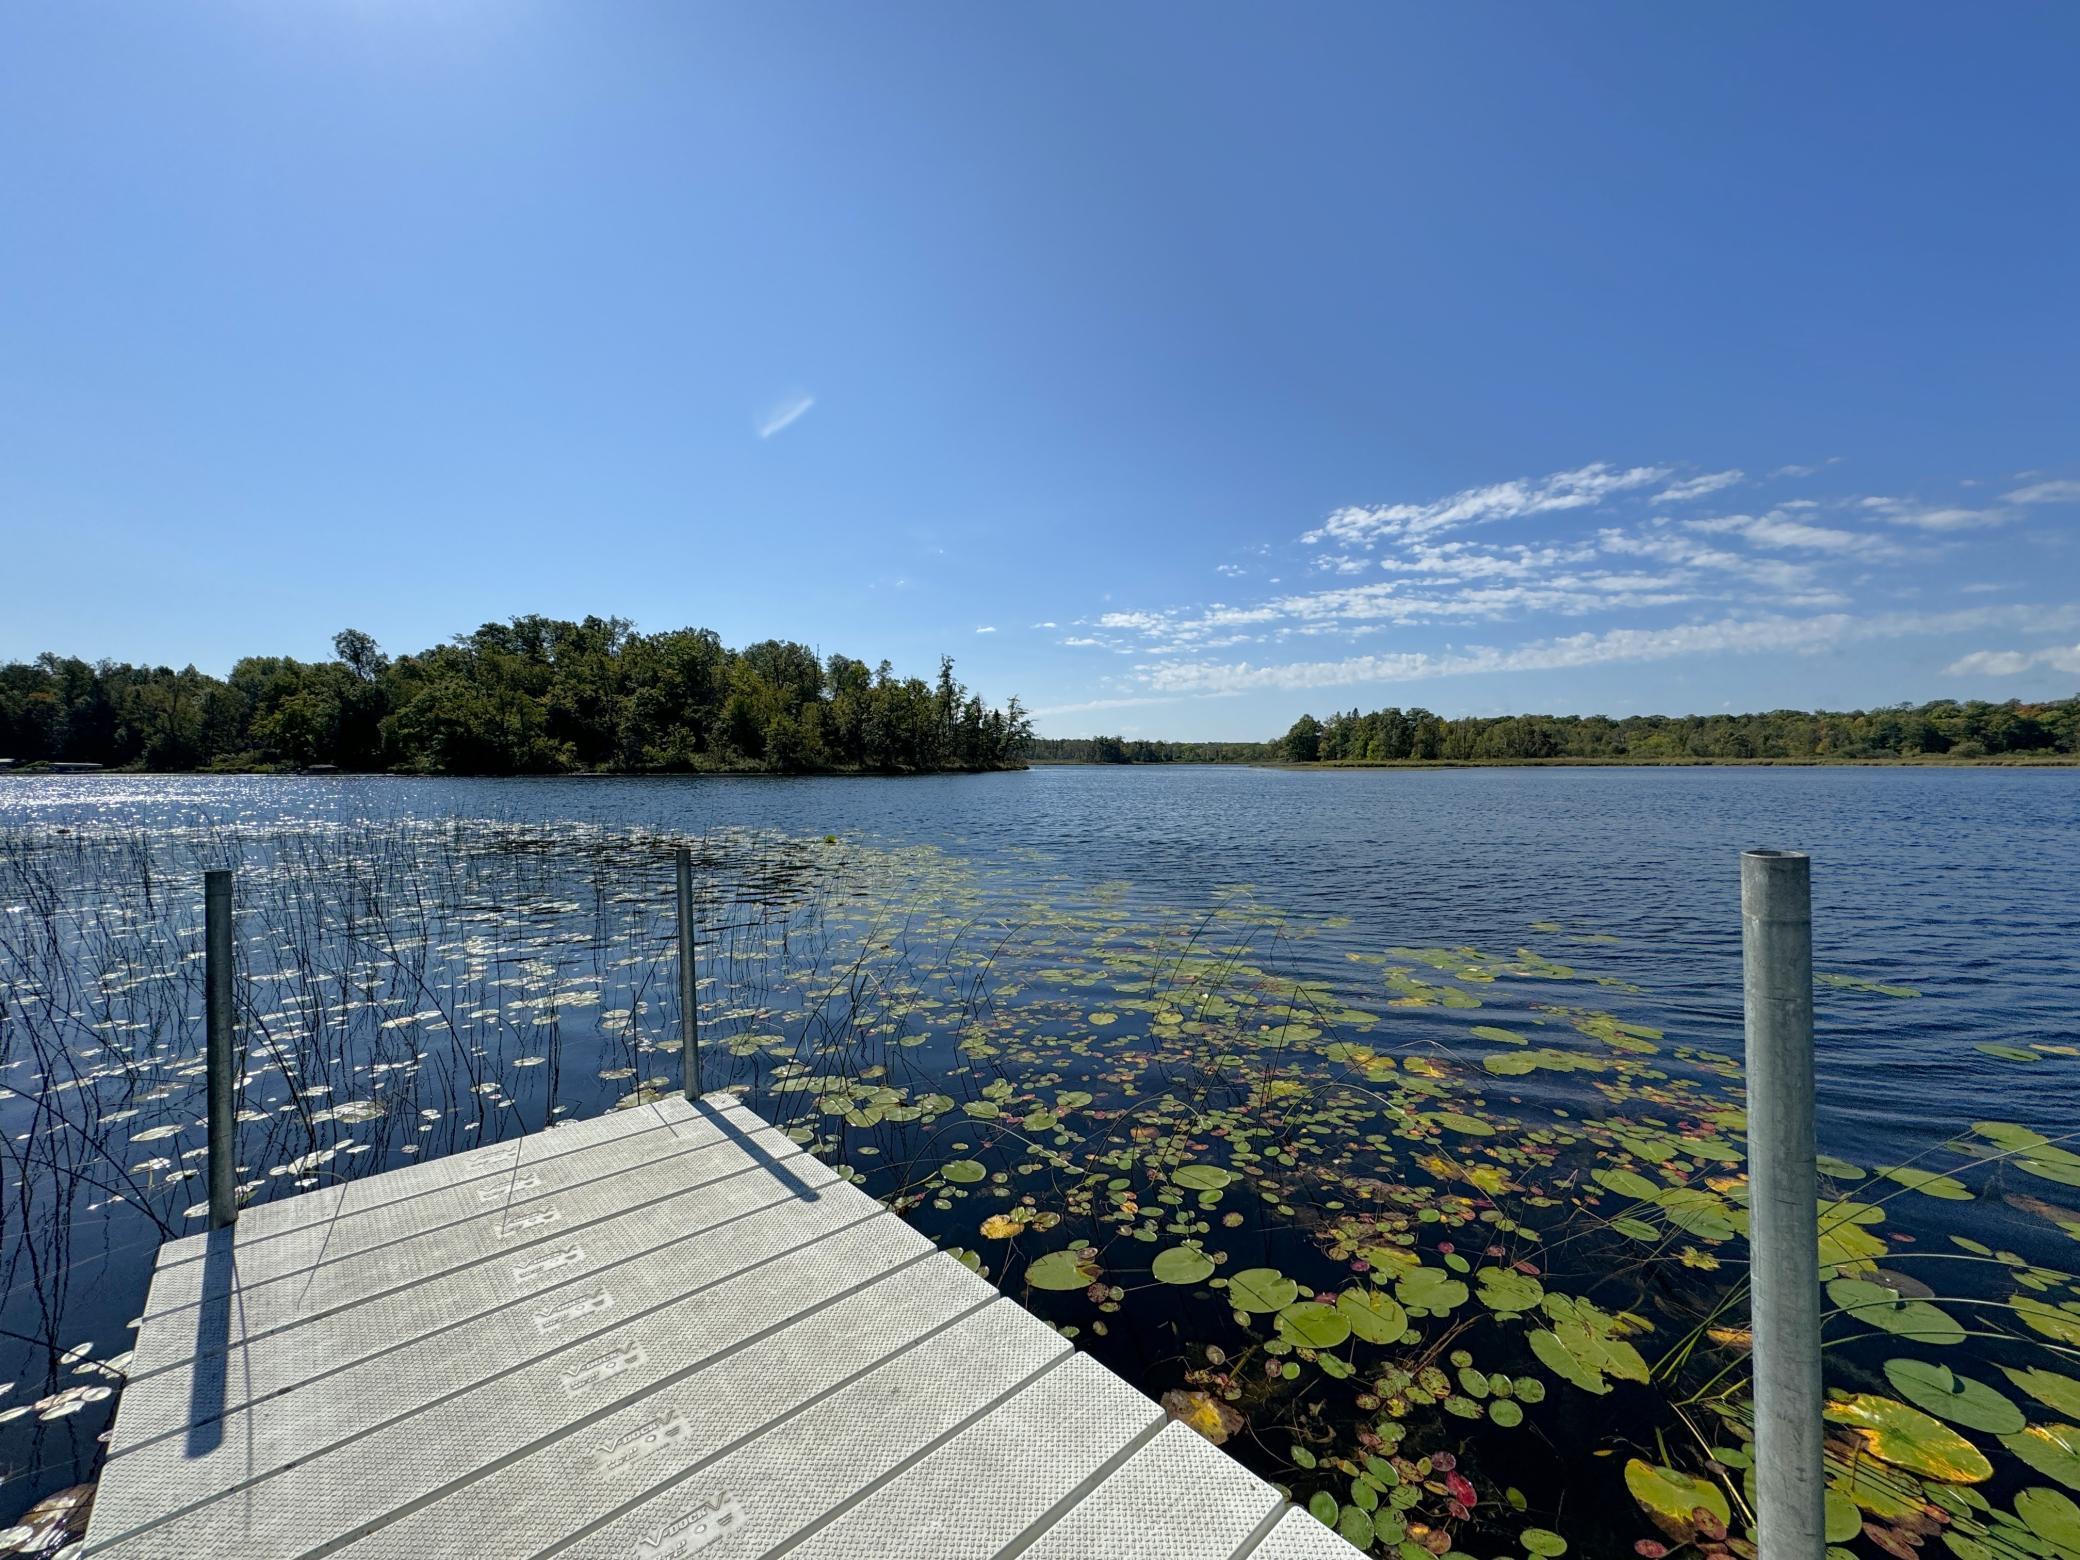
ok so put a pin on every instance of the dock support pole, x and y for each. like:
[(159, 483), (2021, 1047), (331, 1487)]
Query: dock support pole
[(219, 1064), (689, 999), (1784, 1241)]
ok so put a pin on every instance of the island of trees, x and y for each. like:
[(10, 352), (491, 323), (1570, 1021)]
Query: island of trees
[(535, 695), (1943, 728)]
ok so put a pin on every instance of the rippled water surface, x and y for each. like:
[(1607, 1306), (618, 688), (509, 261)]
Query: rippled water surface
[(1387, 1121)]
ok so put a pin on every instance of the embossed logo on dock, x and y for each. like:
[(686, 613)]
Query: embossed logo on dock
[(571, 1311), (505, 1189), (529, 1221), (548, 1262), (624, 1358), (693, 1532), (622, 1455)]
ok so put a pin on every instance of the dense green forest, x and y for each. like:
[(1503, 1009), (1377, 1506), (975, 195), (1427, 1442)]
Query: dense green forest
[(1943, 728), (532, 696)]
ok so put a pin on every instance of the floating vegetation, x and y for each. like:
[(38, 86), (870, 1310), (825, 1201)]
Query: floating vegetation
[(1416, 1270)]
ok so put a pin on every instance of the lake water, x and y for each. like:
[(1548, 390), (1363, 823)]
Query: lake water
[(1150, 1021)]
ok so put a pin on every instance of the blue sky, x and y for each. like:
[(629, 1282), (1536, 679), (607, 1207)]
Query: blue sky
[(1176, 368)]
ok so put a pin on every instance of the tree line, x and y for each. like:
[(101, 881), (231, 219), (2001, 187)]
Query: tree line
[(534, 695), (1940, 728), (1943, 727)]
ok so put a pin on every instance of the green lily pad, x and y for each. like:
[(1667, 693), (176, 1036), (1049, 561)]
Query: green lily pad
[(2049, 1388), (1499, 1035), (1876, 1306), (1373, 1316), (1313, 1325), (1628, 1183), (964, 1171), (1457, 1121), (1958, 1399), (2051, 1516), (1202, 1178), (2007, 1053), (2053, 1321), (1063, 1270), (1543, 1542), (1907, 1438), (1506, 1413), (1505, 1289), (2053, 1450), (1262, 1289), (1429, 1289), (1182, 1265), (1929, 1184), (1837, 1169)]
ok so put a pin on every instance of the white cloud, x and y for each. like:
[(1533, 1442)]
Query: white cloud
[(987, 628), (1044, 625), (2047, 493), (1777, 530), (1926, 517), (1233, 571), (1727, 636), (1102, 704), (1084, 643), (1696, 487), (1578, 489), (1794, 471), (786, 413), (2008, 663)]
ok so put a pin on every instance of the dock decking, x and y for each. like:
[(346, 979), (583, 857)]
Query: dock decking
[(661, 1333)]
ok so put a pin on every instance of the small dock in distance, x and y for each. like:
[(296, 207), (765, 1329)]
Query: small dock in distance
[(655, 1334)]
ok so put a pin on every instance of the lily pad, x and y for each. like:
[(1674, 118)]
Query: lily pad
[(2053, 1321), (1429, 1289), (1543, 1542), (2053, 1450), (1910, 1439), (1958, 1399), (1313, 1325), (1876, 1306), (964, 1171), (1373, 1316), (1182, 1265), (1949, 1188), (1506, 1290), (1669, 1498), (2049, 1388), (1202, 1178), (1628, 1183), (1063, 1270), (1262, 1289), (2051, 1516)]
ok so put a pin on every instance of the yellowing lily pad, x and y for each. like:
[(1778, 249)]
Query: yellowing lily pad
[(2053, 1450), (1670, 1498), (1910, 1439)]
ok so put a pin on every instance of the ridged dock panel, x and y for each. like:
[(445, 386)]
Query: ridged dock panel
[(661, 1333)]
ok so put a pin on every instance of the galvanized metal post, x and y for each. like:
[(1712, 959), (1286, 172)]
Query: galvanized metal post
[(689, 1000), (218, 1061), (1784, 1237)]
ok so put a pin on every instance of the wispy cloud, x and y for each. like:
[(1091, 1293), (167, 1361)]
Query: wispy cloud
[(1781, 531), (1578, 489), (2010, 663), (785, 415), (1696, 487), (987, 628), (1930, 517), (1726, 636), (2062, 492), (1102, 704)]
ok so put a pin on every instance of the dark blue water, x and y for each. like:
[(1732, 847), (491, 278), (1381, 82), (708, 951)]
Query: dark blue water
[(1961, 885)]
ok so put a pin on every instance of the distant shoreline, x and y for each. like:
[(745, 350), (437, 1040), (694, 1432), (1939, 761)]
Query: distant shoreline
[(1922, 761)]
